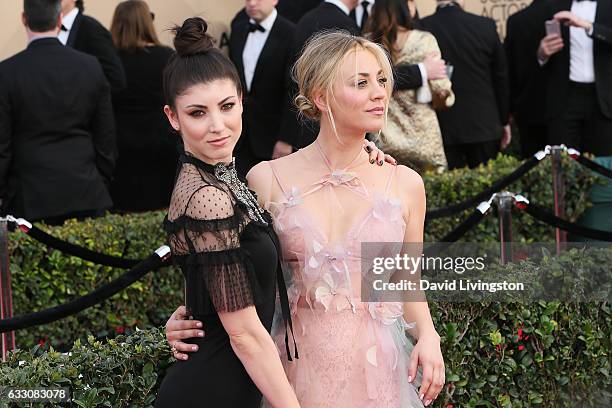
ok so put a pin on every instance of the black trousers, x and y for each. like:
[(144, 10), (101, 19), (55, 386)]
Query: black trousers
[(471, 154), (533, 138), (582, 125)]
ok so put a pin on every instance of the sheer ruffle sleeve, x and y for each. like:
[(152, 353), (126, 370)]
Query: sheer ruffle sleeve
[(204, 224)]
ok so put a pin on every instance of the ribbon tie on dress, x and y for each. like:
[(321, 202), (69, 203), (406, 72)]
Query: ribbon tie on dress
[(341, 178)]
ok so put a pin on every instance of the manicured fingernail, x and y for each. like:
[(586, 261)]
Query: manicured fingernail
[(372, 161), (201, 334), (380, 162), (409, 378), (184, 357), (422, 395), (198, 324), (427, 402), (368, 149), (194, 348)]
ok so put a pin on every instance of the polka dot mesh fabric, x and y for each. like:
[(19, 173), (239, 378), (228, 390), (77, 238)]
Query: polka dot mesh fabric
[(204, 224)]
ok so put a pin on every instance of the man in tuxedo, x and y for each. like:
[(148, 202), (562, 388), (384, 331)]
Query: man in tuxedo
[(361, 13), (260, 47), (57, 139), (86, 34), (578, 70), (524, 30), (335, 14), (476, 126)]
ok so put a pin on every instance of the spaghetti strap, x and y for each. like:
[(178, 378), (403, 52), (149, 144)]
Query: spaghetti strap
[(390, 180), (280, 184)]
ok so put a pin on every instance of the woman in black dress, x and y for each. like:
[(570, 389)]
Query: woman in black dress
[(145, 169), (222, 240)]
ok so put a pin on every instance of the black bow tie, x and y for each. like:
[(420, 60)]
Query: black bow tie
[(63, 28), (256, 27)]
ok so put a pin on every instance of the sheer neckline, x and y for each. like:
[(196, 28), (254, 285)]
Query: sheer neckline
[(207, 167)]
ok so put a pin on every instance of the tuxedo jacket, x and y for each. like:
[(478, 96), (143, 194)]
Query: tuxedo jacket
[(326, 16), (293, 10), (557, 69), (269, 99), (57, 135), (524, 31), (89, 36), (480, 79)]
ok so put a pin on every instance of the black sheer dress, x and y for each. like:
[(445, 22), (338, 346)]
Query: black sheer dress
[(230, 260)]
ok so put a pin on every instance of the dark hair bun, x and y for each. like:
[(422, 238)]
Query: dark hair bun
[(191, 37)]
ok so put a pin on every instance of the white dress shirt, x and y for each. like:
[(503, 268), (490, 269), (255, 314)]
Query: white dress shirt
[(340, 5), (582, 68), (253, 46), (67, 21), (359, 11)]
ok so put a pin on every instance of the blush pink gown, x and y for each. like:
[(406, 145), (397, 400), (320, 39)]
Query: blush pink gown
[(352, 354)]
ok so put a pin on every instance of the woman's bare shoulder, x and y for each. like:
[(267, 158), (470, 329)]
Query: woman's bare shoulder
[(410, 181)]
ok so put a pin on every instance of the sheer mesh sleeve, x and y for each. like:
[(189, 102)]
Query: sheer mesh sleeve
[(204, 226)]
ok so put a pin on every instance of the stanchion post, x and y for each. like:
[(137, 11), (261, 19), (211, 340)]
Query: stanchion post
[(7, 340), (559, 194), (504, 201)]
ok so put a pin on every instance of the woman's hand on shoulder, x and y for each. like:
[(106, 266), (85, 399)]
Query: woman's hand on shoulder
[(377, 156)]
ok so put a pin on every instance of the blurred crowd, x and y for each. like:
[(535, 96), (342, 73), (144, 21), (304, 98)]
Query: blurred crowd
[(82, 127)]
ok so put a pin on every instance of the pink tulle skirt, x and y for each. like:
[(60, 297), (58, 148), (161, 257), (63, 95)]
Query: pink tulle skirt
[(350, 359)]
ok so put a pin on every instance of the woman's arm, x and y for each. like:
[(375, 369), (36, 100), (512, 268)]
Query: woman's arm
[(427, 351), (257, 352)]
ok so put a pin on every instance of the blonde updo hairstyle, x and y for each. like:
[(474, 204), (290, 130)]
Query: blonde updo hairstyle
[(318, 68)]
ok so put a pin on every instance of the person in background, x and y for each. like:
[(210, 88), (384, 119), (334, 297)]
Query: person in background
[(412, 133), (86, 34), (148, 153), (57, 134), (577, 66), (476, 127), (293, 10), (524, 29), (361, 13), (261, 49)]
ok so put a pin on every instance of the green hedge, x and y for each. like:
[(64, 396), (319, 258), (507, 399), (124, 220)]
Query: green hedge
[(540, 354), (43, 277), (121, 372), (458, 185)]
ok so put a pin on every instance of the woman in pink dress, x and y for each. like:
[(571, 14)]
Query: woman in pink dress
[(326, 200)]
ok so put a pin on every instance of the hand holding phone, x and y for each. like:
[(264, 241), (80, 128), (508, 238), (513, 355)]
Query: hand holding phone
[(552, 43), (553, 27)]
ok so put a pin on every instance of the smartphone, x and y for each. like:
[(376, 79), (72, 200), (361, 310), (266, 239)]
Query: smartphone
[(553, 27)]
